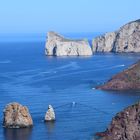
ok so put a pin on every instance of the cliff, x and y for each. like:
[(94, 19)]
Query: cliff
[(124, 126), (126, 39), (57, 45), (126, 80)]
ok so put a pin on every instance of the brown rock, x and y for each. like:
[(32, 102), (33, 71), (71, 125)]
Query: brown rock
[(16, 116), (126, 80), (125, 125)]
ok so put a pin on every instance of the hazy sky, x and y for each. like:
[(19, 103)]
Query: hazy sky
[(40, 16)]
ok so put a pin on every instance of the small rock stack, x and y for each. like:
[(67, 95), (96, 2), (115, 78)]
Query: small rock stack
[(50, 114)]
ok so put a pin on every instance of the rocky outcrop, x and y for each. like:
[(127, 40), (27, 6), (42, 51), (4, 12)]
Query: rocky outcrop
[(57, 45), (126, 80), (16, 116), (126, 39), (124, 126), (50, 114)]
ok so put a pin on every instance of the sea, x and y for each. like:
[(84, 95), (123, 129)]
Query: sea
[(31, 78)]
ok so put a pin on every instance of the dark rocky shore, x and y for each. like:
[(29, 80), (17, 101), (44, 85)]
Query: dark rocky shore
[(129, 79), (124, 126)]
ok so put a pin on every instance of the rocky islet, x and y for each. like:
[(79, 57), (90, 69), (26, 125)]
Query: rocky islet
[(57, 45), (16, 116), (50, 114), (124, 40)]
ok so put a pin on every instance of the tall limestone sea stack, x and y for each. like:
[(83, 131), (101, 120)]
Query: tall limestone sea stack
[(126, 39), (57, 45)]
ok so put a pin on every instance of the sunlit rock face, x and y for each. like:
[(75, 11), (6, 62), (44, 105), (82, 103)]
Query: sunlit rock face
[(16, 116), (50, 114), (57, 45), (126, 39)]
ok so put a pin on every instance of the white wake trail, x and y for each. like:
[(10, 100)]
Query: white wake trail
[(80, 72)]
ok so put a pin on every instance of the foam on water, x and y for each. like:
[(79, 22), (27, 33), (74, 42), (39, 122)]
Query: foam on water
[(80, 72), (72, 65)]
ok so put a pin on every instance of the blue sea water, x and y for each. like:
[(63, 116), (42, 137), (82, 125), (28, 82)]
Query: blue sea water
[(29, 77)]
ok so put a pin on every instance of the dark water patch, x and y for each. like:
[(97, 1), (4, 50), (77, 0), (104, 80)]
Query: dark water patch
[(17, 134)]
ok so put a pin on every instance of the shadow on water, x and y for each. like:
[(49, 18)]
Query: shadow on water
[(50, 127), (124, 92), (17, 134)]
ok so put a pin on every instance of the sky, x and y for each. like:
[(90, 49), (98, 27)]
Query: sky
[(66, 16)]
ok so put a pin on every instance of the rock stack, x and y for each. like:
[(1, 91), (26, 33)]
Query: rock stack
[(50, 114), (16, 116), (57, 45)]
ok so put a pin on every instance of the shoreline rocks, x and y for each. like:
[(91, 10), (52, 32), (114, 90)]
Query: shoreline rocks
[(57, 45), (16, 116), (50, 114), (126, 39), (124, 126), (129, 79)]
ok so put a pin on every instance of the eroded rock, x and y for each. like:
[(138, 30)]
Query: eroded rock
[(16, 116), (57, 45), (126, 39), (50, 114)]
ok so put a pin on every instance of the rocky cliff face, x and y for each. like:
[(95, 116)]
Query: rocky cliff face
[(16, 116), (57, 45), (126, 80), (126, 39), (125, 125)]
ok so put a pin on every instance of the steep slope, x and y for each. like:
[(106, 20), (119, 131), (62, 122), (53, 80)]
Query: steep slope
[(126, 39), (128, 79)]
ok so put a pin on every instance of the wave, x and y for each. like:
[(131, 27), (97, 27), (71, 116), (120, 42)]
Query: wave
[(80, 72), (27, 71), (26, 79), (67, 67), (5, 62), (18, 73), (72, 65)]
